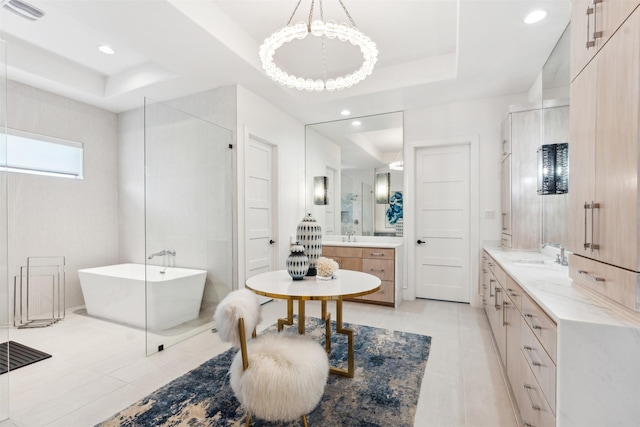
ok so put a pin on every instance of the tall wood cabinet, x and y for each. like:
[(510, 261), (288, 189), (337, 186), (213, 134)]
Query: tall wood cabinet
[(593, 22), (521, 133), (604, 163)]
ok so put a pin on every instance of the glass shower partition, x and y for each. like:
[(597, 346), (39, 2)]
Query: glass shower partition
[(188, 223), (4, 236)]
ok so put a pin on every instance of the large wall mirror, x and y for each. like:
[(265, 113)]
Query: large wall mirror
[(354, 175), (555, 94)]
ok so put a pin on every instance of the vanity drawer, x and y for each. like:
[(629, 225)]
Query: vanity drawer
[(540, 363), (354, 264), (541, 325), (534, 409), (611, 282), (341, 251), (515, 292), (385, 294), (381, 268), (378, 253), (500, 275)]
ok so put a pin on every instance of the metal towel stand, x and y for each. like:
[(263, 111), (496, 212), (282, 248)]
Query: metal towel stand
[(39, 292)]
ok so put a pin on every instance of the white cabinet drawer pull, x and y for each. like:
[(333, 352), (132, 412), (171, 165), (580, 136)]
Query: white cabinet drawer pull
[(533, 362), (591, 276), (534, 406), (533, 325)]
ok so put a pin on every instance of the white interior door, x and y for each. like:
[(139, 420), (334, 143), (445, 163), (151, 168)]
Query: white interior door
[(260, 245), (442, 223)]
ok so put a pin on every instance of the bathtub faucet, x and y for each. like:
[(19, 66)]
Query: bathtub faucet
[(161, 253)]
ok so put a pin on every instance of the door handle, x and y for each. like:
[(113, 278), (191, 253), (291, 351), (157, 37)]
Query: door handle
[(420, 242), (271, 242)]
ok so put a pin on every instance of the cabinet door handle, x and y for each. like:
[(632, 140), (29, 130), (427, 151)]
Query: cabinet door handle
[(512, 292), (591, 276), (377, 254), (504, 312), (596, 34), (380, 270), (534, 406), (586, 244), (590, 43), (533, 362), (495, 299), (593, 246), (533, 325)]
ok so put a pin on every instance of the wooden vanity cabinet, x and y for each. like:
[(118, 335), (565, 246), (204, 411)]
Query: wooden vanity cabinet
[(526, 339), (604, 219), (379, 262)]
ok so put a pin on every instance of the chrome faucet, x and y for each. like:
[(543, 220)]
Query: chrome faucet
[(163, 252), (560, 258), (349, 234)]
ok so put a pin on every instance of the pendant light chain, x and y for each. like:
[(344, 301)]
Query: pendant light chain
[(294, 13), (324, 56), (348, 14)]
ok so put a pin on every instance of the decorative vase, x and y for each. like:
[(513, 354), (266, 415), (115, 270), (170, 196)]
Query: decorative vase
[(297, 262), (309, 235)]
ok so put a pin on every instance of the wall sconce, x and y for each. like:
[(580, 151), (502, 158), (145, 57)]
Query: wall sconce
[(383, 188), (320, 190), (553, 169)]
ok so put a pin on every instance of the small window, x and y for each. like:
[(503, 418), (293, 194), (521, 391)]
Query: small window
[(42, 155)]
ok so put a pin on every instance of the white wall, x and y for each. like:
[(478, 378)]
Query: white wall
[(482, 119), (49, 216), (260, 119)]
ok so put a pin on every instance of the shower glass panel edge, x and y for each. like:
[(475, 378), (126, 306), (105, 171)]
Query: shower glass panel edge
[(5, 310), (188, 204)]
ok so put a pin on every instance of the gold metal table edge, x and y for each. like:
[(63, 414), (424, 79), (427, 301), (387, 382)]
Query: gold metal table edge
[(314, 297)]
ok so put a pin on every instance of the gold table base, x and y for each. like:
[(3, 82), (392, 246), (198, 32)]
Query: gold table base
[(326, 317)]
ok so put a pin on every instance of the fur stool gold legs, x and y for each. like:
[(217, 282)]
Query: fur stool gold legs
[(276, 377)]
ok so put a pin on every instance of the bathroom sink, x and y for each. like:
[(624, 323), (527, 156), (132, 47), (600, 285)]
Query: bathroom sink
[(532, 262)]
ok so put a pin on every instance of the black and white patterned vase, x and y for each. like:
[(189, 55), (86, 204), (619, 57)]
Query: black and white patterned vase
[(297, 263), (309, 235)]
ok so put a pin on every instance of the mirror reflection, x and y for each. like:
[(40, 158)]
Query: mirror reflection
[(354, 175), (555, 91)]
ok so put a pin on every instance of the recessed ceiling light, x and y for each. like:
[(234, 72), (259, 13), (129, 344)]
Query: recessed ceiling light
[(535, 16), (356, 123), (106, 49), (345, 112)]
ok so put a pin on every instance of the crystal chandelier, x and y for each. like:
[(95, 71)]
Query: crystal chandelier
[(319, 28)]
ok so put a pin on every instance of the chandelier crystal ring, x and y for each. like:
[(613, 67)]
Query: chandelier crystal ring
[(318, 28)]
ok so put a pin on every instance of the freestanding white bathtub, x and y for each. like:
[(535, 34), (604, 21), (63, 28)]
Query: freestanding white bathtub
[(117, 292)]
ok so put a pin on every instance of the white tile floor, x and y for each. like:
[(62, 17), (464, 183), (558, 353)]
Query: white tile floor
[(99, 368)]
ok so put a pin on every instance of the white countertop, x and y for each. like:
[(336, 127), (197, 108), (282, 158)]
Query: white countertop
[(362, 244), (550, 286)]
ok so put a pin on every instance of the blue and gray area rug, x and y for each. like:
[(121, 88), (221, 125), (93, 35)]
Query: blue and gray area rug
[(389, 370)]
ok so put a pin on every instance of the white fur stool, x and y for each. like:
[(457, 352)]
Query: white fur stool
[(276, 377)]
